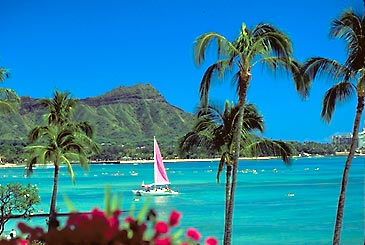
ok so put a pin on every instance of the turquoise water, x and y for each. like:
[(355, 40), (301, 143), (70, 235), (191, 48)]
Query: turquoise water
[(263, 214)]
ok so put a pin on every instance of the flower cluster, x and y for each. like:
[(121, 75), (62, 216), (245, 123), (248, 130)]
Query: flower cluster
[(97, 227)]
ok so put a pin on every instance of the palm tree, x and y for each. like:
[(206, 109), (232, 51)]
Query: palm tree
[(4, 73), (214, 130), (61, 142), (349, 79), (264, 44), (8, 98)]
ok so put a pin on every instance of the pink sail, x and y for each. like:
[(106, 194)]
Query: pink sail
[(159, 168)]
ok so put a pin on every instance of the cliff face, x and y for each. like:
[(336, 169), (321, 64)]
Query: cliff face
[(126, 95), (123, 115)]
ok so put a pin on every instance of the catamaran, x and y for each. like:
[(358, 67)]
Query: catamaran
[(160, 187)]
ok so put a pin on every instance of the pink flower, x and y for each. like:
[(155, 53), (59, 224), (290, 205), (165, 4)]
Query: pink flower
[(174, 218), (129, 219), (162, 241), (193, 234), (114, 220), (22, 242), (161, 227), (75, 219), (211, 241), (33, 232)]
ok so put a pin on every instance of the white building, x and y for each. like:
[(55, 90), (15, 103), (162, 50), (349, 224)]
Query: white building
[(361, 139), (341, 139)]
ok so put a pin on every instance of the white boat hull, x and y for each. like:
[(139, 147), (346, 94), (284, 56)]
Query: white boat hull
[(160, 187), (157, 192)]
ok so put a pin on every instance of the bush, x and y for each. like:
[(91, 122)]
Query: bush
[(16, 200), (98, 227)]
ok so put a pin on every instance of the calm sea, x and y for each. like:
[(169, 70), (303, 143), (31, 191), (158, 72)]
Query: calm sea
[(274, 204)]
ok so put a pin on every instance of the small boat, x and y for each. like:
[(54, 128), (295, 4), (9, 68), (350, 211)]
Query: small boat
[(160, 187), (134, 173)]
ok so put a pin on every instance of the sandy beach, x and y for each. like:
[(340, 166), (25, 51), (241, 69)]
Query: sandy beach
[(11, 165)]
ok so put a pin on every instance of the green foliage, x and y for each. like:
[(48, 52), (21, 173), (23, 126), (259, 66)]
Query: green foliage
[(60, 141), (98, 227), (118, 129), (124, 121), (16, 200), (315, 148), (264, 45), (348, 81)]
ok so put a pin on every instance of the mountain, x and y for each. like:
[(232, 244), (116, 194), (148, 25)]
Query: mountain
[(124, 115)]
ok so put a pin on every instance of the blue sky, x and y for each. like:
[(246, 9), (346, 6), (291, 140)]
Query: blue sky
[(91, 47)]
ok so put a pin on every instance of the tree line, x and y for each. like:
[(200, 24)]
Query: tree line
[(14, 151)]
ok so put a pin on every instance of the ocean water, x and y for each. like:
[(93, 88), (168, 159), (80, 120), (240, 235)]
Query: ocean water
[(264, 213)]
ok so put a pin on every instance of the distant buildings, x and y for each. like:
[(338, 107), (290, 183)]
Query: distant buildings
[(361, 140), (341, 139), (345, 139)]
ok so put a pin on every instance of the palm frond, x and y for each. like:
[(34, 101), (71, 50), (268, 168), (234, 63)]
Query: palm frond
[(8, 94), (252, 119), (9, 100), (84, 162), (188, 141), (226, 159), (301, 79), (318, 66), (60, 108), (243, 42), (264, 146), (360, 86), (86, 128), (290, 66), (204, 41), (4, 73), (37, 133), (217, 70), (37, 155), (268, 39), (338, 93), (6, 107), (32, 161), (350, 28), (69, 168)]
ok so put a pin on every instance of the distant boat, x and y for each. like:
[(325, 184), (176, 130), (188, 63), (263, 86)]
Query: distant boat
[(160, 187), (134, 173)]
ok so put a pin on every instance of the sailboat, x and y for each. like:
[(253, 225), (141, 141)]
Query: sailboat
[(160, 187)]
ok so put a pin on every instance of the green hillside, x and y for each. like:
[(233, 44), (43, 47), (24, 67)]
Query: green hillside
[(124, 119)]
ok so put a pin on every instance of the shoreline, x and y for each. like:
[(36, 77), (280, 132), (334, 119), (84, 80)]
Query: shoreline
[(143, 161), (13, 165), (178, 160)]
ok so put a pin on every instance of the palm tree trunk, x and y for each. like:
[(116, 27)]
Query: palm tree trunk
[(341, 200), (228, 192), (52, 222), (2, 222), (236, 156)]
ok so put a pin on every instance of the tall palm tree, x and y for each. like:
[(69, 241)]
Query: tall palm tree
[(61, 142), (349, 80), (214, 130), (264, 44), (8, 98)]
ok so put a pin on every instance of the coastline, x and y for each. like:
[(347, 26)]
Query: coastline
[(144, 161), (179, 160), (11, 165)]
